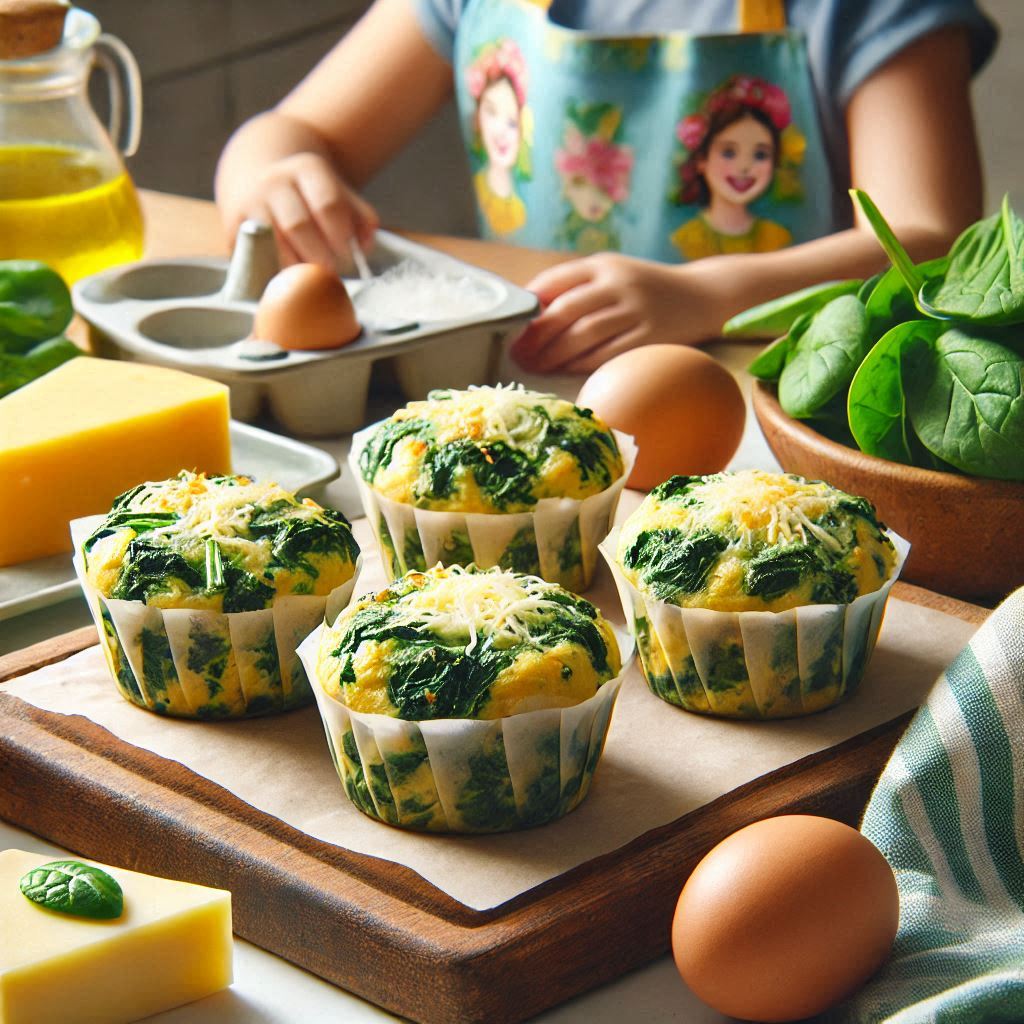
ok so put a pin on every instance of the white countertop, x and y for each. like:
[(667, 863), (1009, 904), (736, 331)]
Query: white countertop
[(269, 990)]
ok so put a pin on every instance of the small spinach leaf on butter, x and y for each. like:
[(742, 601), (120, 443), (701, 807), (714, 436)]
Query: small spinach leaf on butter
[(671, 564), (71, 887)]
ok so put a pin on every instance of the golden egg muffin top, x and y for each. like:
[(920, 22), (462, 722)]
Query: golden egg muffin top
[(490, 449), (754, 541), (221, 543), (466, 643)]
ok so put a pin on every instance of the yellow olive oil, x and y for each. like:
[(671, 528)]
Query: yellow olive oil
[(62, 206)]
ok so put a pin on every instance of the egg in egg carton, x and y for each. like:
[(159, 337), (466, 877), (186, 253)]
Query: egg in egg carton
[(197, 315)]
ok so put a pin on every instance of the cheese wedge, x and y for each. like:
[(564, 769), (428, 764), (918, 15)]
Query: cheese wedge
[(76, 438), (172, 944)]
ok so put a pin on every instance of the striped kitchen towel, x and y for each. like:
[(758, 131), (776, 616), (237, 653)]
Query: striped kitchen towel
[(948, 814)]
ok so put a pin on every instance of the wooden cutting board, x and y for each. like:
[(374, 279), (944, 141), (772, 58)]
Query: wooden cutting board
[(371, 926)]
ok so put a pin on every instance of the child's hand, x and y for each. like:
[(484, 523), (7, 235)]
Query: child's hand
[(596, 307), (313, 212)]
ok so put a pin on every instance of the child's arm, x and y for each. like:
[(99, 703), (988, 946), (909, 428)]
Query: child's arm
[(298, 165), (912, 148)]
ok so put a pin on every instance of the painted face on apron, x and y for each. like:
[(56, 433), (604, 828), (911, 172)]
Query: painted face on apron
[(671, 147)]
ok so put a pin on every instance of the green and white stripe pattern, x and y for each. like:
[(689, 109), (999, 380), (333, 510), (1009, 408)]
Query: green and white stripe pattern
[(948, 814)]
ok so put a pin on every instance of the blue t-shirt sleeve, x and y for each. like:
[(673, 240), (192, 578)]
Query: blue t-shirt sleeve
[(438, 20), (859, 36)]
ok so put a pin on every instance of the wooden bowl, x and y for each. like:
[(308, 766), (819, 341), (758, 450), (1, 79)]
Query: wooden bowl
[(964, 530)]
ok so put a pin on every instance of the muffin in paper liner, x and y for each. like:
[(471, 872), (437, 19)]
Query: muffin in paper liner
[(753, 664), (188, 663), (557, 541), (467, 775)]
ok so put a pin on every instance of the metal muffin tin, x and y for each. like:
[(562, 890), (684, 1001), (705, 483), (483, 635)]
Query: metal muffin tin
[(197, 315)]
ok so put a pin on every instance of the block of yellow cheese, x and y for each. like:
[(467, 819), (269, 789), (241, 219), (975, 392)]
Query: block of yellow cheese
[(77, 437), (172, 944)]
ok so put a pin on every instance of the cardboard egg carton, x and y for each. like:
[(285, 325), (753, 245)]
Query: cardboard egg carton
[(197, 315)]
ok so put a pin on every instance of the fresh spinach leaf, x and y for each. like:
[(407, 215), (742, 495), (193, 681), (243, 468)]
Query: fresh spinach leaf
[(770, 363), (71, 887), (901, 260), (779, 315), (35, 304), (965, 396), (825, 357), (877, 403), (867, 287), (18, 370), (984, 282)]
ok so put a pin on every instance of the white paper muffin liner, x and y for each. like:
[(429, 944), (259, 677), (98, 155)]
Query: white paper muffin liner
[(753, 664), (467, 775), (188, 663), (557, 541)]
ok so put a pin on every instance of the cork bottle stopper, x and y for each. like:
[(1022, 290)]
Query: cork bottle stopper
[(28, 27)]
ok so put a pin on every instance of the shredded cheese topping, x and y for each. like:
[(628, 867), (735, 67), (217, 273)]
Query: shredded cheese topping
[(493, 413), (222, 512), (757, 501), (496, 603)]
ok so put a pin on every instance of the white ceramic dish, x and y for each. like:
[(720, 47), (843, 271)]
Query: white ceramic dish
[(186, 314), (260, 453)]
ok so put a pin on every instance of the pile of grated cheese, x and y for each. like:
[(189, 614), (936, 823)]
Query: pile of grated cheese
[(454, 603), (755, 500), (215, 511)]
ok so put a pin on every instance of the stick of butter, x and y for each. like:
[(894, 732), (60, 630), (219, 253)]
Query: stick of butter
[(171, 944)]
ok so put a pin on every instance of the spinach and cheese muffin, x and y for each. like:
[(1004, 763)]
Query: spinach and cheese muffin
[(222, 543), (204, 586), (469, 653), (753, 594), (493, 450), (754, 541), (442, 479)]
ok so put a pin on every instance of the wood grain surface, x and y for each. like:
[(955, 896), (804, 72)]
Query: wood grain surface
[(371, 926)]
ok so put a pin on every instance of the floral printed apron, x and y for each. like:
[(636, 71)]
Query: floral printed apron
[(672, 147)]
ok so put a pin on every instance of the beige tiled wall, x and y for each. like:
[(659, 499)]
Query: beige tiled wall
[(209, 64)]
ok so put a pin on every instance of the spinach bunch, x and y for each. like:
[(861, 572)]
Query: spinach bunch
[(35, 307), (923, 364)]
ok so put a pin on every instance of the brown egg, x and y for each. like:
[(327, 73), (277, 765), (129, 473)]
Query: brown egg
[(306, 306), (685, 410), (785, 918)]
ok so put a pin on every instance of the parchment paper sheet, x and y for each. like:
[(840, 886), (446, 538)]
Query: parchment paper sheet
[(659, 763)]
